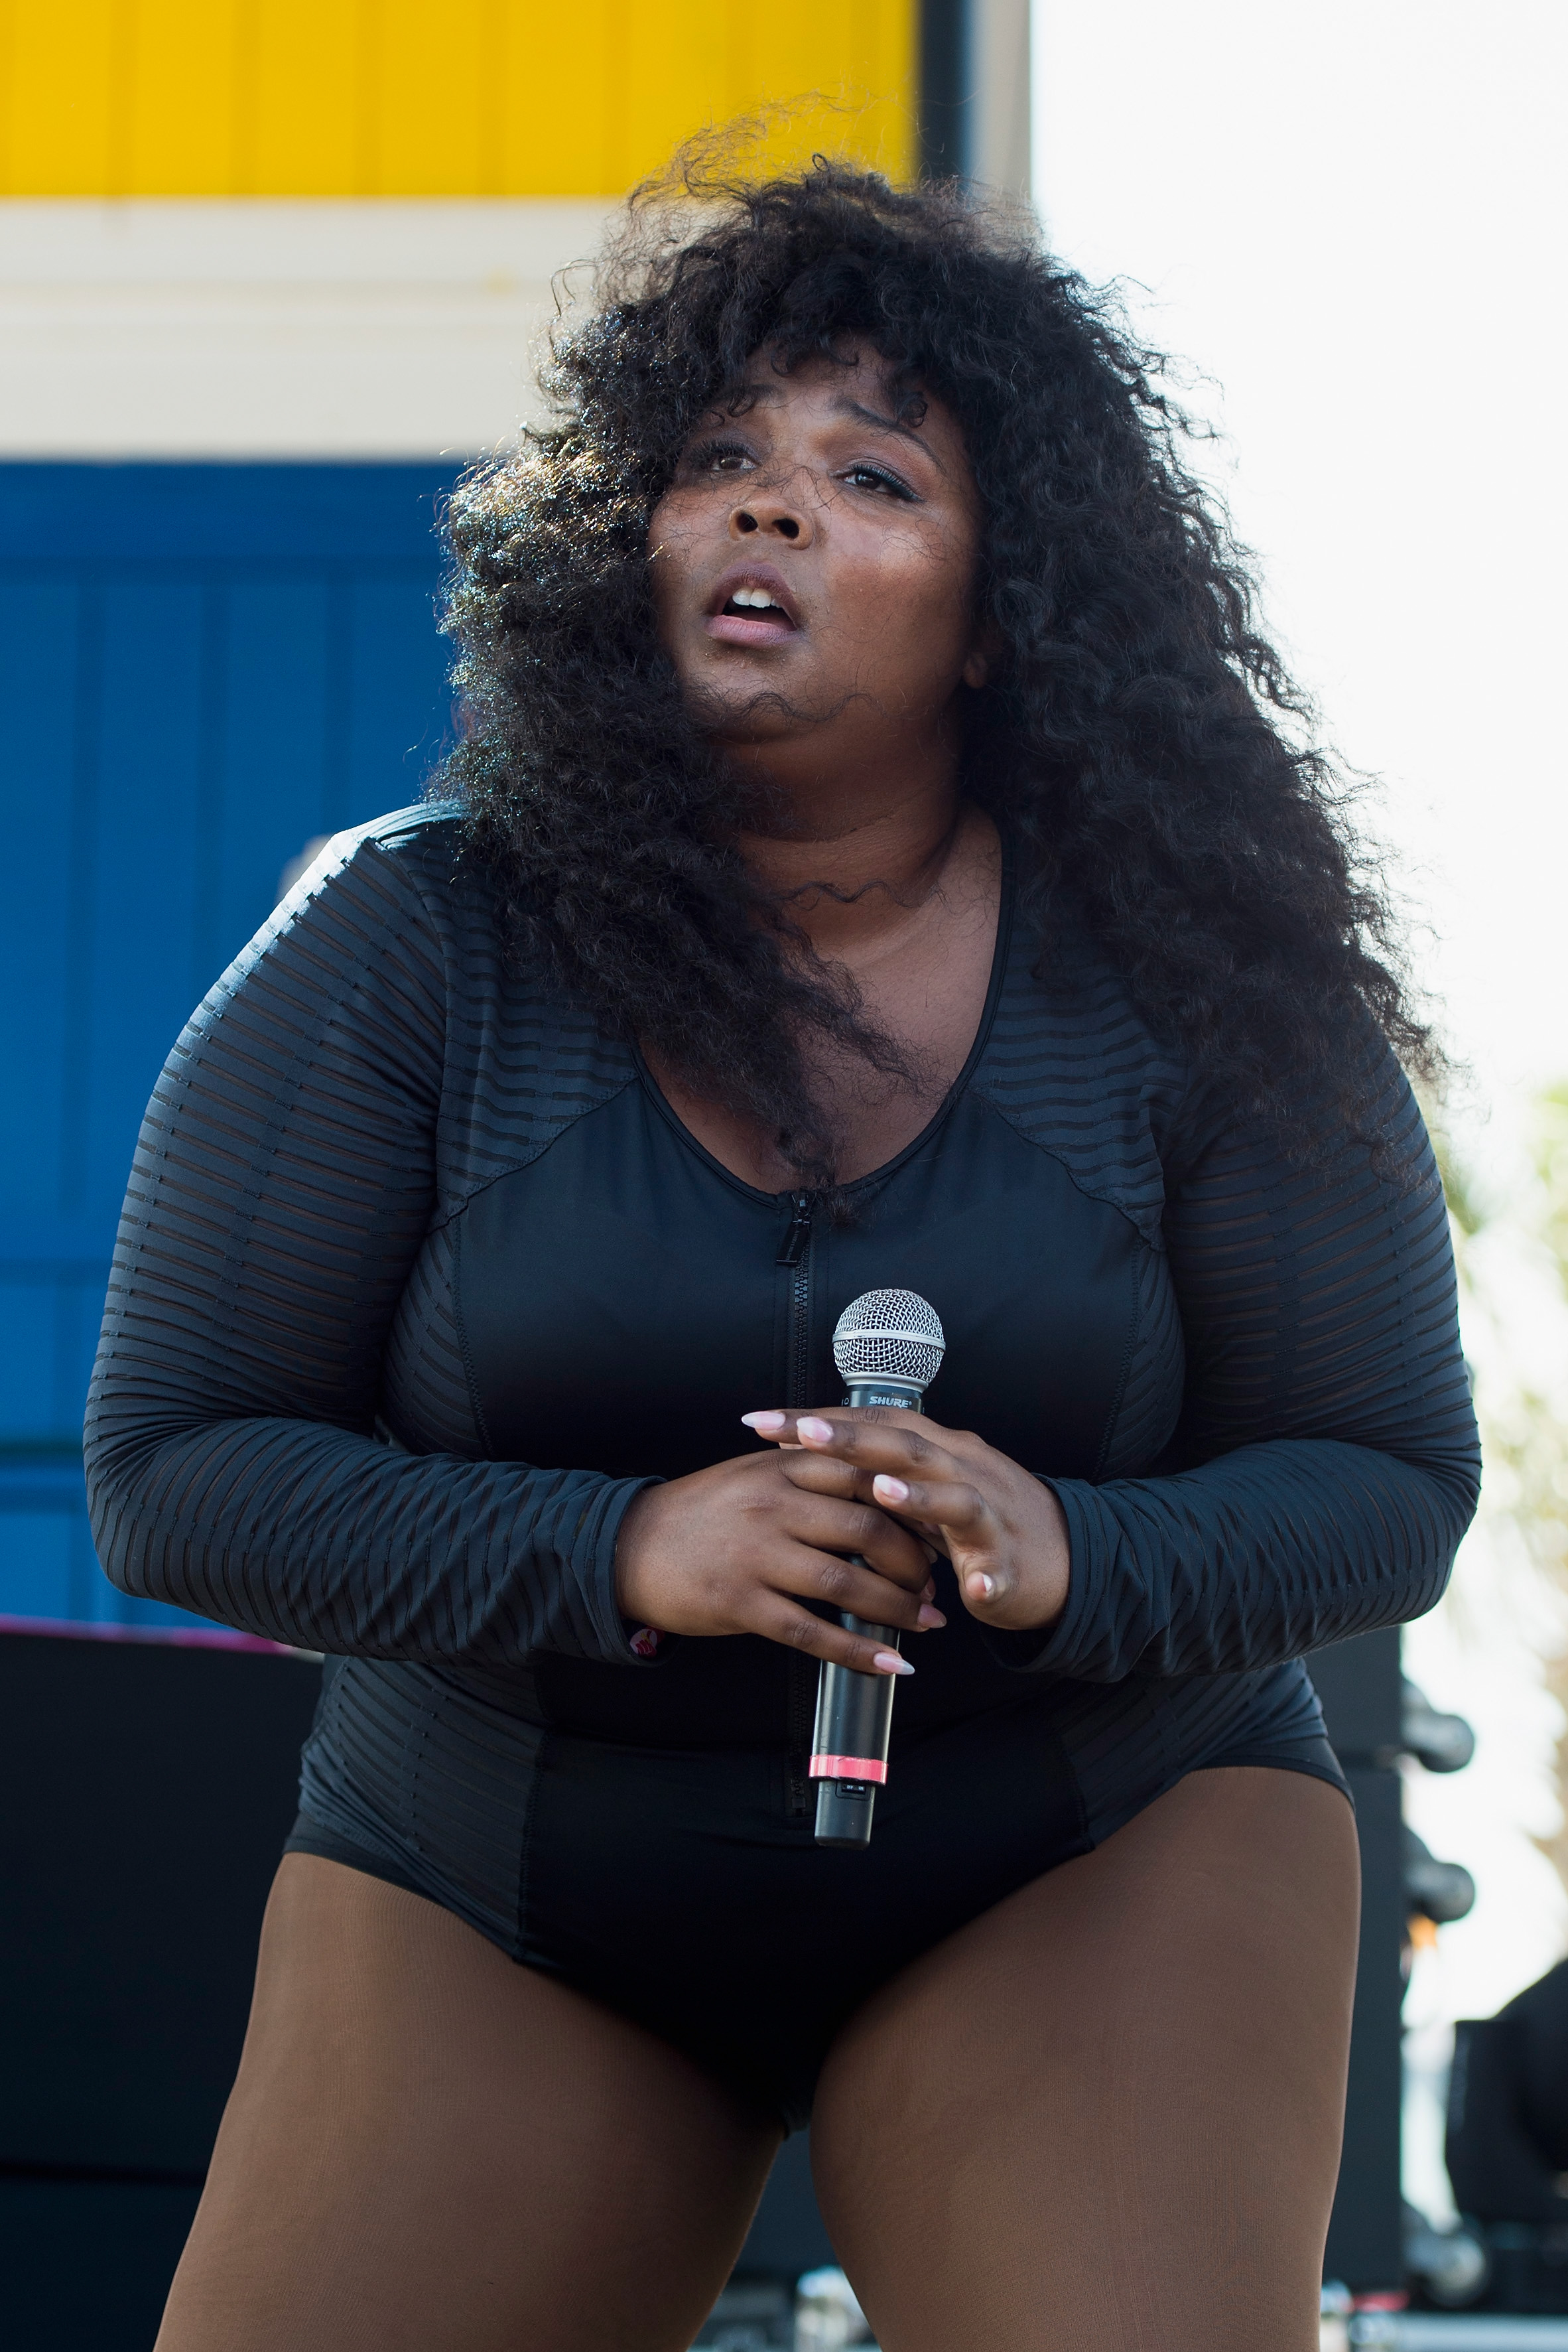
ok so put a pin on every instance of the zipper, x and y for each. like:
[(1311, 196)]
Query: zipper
[(795, 1254), (796, 1246)]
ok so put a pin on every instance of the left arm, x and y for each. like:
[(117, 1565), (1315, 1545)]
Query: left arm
[(1325, 1465)]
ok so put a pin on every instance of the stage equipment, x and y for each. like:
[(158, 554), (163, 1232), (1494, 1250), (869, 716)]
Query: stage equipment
[(153, 1782), (888, 1346)]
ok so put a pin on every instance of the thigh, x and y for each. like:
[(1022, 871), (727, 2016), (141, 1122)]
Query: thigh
[(430, 2147), (1105, 2116)]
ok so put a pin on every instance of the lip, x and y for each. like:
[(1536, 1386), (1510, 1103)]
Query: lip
[(751, 629)]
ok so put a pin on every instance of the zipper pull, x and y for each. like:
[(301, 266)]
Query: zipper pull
[(796, 1233)]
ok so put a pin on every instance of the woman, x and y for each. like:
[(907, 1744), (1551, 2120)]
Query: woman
[(874, 857)]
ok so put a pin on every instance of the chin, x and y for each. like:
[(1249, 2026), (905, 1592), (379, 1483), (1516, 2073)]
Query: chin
[(744, 712)]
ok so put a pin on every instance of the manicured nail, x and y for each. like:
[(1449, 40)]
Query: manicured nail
[(930, 1618), (888, 1661), (822, 1430), (763, 1422), (889, 1490), (982, 1587)]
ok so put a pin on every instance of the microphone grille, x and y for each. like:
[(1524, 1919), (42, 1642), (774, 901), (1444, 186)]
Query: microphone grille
[(892, 1334)]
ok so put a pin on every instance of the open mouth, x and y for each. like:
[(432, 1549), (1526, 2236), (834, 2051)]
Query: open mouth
[(755, 600), (751, 612)]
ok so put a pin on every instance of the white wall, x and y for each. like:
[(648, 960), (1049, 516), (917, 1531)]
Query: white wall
[(1351, 217), (290, 327)]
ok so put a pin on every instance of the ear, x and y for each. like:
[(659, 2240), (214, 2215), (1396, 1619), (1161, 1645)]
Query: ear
[(985, 654)]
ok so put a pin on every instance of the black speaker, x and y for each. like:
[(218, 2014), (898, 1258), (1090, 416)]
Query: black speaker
[(149, 1787), (1359, 1683)]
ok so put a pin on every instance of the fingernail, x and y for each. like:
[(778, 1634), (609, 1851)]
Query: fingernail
[(889, 1490), (931, 1618), (888, 1661), (821, 1429), (763, 1421), (982, 1587)]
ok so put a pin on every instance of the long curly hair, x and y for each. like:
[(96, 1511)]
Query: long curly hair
[(1141, 741)]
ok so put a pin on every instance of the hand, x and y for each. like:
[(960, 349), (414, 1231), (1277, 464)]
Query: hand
[(738, 1549), (1003, 1531)]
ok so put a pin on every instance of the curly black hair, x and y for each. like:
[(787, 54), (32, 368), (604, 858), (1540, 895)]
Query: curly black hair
[(1141, 742)]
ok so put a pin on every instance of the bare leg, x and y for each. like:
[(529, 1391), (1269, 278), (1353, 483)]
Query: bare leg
[(430, 2149), (1105, 2116)]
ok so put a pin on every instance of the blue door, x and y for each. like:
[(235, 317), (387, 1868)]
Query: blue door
[(203, 669)]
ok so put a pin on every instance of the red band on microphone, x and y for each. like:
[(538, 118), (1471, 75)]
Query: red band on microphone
[(848, 1768)]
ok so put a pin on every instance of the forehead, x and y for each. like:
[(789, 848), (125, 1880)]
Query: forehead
[(857, 383)]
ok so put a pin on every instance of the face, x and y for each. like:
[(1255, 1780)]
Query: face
[(814, 561)]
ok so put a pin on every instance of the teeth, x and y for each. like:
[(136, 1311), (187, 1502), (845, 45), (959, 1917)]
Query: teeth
[(757, 598)]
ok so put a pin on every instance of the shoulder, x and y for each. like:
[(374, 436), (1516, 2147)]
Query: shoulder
[(521, 1060), (1075, 1065), (1072, 1065), (398, 895), (369, 940), (410, 853)]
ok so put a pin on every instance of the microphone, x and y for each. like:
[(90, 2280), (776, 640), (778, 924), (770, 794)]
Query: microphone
[(888, 1346)]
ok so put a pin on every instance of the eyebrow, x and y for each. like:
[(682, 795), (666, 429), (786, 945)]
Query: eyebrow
[(847, 405), (889, 425)]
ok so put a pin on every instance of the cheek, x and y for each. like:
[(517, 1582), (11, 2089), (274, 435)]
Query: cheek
[(914, 598)]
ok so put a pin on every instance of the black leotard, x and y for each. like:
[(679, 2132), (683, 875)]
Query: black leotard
[(420, 1280)]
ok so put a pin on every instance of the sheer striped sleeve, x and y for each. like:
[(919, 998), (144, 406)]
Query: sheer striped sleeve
[(1327, 1462), (284, 1183)]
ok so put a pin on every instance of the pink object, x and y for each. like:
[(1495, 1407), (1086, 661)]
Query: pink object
[(179, 1637), (847, 1767), (645, 1640)]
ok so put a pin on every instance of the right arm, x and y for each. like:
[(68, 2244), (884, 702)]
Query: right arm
[(282, 1186)]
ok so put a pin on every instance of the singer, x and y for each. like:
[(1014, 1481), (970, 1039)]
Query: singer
[(878, 852)]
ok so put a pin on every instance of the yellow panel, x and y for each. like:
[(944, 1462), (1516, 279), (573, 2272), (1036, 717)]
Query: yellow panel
[(180, 123), (427, 113), (693, 63), (63, 67), (429, 97), (673, 58), (304, 116), (563, 94)]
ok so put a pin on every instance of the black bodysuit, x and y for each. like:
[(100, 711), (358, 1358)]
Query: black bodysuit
[(420, 1280)]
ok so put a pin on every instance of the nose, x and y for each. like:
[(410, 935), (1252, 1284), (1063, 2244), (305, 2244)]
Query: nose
[(771, 517)]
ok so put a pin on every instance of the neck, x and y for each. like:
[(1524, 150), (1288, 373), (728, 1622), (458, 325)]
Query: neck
[(858, 858)]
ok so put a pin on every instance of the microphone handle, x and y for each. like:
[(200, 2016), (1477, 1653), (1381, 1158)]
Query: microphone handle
[(848, 1739), (854, 1711)]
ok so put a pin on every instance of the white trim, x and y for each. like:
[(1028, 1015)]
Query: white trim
[(264, 328)]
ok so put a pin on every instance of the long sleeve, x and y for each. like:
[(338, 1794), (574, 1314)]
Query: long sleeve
[(1326, 1462), (283, 1185)]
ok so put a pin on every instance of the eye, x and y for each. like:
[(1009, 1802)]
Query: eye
[(718, 457), (878, 479)]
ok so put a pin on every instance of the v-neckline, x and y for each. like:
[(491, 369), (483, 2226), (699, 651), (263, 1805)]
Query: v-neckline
[(878, 1175)]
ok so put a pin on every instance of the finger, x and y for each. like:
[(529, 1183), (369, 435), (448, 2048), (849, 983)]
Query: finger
[(861, 1432), (817, 1638), (821, 1475), (951, 1504), (844, 1526), (935, 1508), (903, 1443), (847, 1584)]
